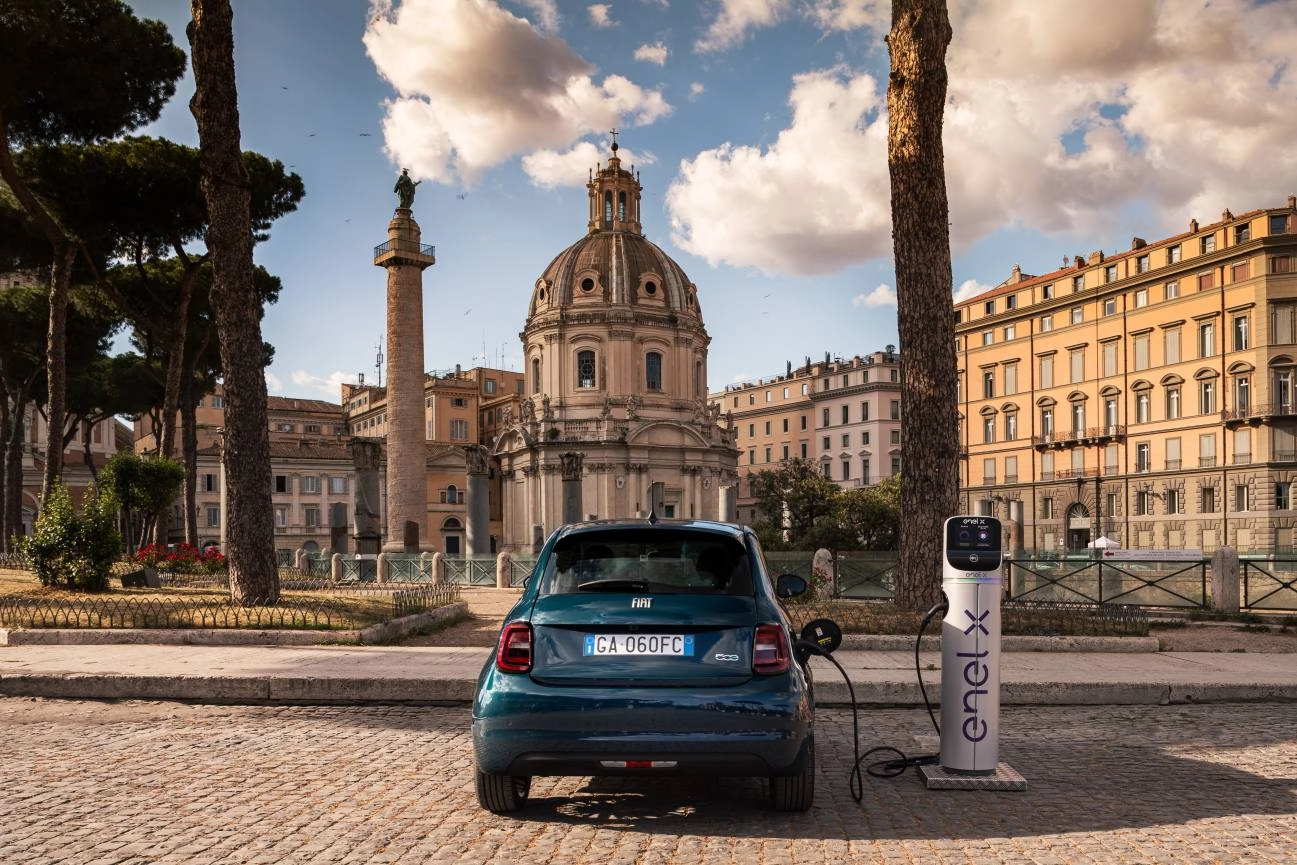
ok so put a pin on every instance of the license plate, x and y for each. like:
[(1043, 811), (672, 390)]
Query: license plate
[(638, 644)]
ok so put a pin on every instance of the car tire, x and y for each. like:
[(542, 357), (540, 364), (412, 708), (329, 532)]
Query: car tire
[(502, 794), (795, 792)]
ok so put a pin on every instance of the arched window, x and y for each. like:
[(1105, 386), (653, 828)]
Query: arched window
[(607, 207), (535, 375), (621, 206), (698, 379), (653, 371), (585, 369), (452, 495)]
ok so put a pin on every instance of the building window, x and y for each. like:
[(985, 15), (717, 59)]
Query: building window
[(988, 337), (1281, 264), (1010, 331), (803, 421), (1278, 223), (1141, 297), (535, 377), (1173, 254), (653, 371), (208, 483), (825, 418), (281, 483), (312, 515), (1109, 275), (459, 430), (1171, 345), (896, 409), (1110, 306), (1174, 502), (768, 451), (1283, 496), (895, 437), (1077, 365), (752, 430), (1207, 243), (1243, 233), (1047, 508), (490, 386), (281, 517), (1047, 422), (1207, 280), (1240, 497), (1078, 283), (1209, 500), (828, 469), (988, 384), (1206, 339), (864, 411), (1142, 461), (846, 470), (1141, 264), (1078, 315), (846, 440), (1171, 290), (1143, 503), (825, 443), (1142, 407), (459, 402), (785, 424), (988, 471), (1110, 356), (846, 414), (1047, 370), (988, 429), (213, 517), (1110, 415), (864, 437), (1010, 379), (1242, 395), (1241, 342), (337, 486), (1206, 397), (1010, 426), (990, 307), (1141, 352), (1046, 323), (1173, 402), (1047, 291), (1283, 391), (585, 369), (1207, 451), (1078, 420), (1240, 272), (310, 484)]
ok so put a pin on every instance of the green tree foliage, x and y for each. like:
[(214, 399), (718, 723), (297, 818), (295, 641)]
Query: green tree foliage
[(71, 548), (73, 71), (796, 502), (144, 487), (870, 517)]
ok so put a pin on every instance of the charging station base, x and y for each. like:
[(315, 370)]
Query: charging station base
[(1005, 779)]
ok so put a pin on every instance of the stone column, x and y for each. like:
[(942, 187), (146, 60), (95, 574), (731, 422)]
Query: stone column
[(572, 462), (479, 510), (405, 258), (728, 498), (365, 456)]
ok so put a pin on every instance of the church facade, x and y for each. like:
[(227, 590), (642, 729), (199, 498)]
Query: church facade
[(615, 388)]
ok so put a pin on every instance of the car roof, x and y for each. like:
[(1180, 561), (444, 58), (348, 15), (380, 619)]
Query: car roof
[(728, 530)]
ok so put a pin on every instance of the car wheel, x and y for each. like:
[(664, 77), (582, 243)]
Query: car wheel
[(795, 792), (502, 794)]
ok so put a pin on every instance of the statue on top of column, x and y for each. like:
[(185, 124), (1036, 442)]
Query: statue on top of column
[(404, 189)]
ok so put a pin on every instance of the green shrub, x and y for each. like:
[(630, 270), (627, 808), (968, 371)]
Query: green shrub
[(74, 550)]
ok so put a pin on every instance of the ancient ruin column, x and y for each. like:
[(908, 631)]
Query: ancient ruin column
[(366, 455), (479, 510), (571, 462), (405, 259)]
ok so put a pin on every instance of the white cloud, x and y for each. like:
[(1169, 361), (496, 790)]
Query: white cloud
[(970, 288), (1051, 123), (884, 295), (696, 89), (477, 86), (601, 15), (655, 53), (815, 201), (546, 12), (273, 384), (549, 168), (330, 385), (736, 18)]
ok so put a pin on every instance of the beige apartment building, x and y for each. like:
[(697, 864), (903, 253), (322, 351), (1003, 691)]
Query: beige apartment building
[(1145, 395), (844, 415)]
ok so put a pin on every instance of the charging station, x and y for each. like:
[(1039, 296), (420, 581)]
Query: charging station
[(970, 660)]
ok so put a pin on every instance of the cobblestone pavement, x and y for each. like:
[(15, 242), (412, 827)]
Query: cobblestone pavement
[(137, 782)]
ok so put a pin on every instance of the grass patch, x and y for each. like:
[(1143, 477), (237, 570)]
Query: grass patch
[(24, 602)]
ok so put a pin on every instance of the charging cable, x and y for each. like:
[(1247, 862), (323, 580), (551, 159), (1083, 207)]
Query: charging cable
[(890, 768)]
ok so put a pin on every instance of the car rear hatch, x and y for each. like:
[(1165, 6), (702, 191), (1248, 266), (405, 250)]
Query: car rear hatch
[(642, 639)]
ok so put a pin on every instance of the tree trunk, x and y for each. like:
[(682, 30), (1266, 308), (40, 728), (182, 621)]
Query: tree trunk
[(916, 96), (189, 454), (250, 536), (56, 368)]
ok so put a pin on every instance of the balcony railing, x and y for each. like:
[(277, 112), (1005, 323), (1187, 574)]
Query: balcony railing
[(1259, 412), (1206, 462), (1173, 465), (1095, 435)]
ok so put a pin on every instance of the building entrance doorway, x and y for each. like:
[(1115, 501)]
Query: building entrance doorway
[(1078, 527)]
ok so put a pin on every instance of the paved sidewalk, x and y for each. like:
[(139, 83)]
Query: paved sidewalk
[(396, 674)]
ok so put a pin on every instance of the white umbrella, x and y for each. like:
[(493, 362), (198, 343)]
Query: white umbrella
[(1103, 543)]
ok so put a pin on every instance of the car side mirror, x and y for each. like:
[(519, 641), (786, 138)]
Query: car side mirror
[(790, 586)]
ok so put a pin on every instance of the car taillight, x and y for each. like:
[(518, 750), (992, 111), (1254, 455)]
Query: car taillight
[(513, 655), (769, 650)]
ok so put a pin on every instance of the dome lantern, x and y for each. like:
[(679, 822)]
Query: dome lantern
[(614, 197)]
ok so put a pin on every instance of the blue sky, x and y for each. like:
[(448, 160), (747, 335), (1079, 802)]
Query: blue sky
[(759, 131)]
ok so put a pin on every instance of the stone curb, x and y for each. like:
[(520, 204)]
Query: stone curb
[(1010, 643), (375, 634)]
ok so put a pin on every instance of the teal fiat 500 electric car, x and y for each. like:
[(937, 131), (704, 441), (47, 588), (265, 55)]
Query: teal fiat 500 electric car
[(652, 647)]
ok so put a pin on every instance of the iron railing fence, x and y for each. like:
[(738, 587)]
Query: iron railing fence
[(471, 570), (1017, 617), (1269, 584), (15, 561), (520, 569), (1149, 583), (154, 613), (867, 575)]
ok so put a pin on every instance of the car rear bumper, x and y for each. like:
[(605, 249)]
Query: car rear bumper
[(761, 729)]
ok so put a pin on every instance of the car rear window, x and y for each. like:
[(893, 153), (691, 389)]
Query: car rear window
[(656, 560)]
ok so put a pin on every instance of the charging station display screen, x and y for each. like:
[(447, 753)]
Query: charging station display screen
[(973, 543)]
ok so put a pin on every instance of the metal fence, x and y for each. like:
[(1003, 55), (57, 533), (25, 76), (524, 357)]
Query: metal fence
[(1270, 584), (866, 575), (471, 570), (1151, 583)]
